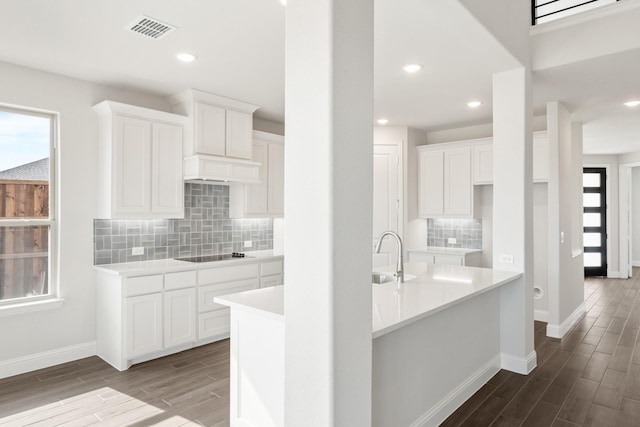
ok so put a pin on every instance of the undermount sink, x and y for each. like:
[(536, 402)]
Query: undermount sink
[(380, 278)]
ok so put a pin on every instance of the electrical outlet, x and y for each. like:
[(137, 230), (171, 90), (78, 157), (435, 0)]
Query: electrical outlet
[(248, 243), (506, 259), (452, 240), (137, 251)]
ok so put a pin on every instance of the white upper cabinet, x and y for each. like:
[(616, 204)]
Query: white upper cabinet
[(483, 164), (140, 168), (266, 198), (483, 160), (445, 187), (218, 126)]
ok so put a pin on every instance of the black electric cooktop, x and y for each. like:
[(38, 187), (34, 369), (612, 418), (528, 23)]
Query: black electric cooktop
[(210, 258)]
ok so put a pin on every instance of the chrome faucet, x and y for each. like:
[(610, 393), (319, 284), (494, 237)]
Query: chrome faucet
[(399, 274)]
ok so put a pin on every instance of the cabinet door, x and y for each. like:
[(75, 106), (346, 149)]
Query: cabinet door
[(143, 324), (457, 181), (256, 195), (210, 132), (132, 166), (483, 164), (239, 134), (540, 160), (431, 183), (179, 317), (166, 170), (275, 179)]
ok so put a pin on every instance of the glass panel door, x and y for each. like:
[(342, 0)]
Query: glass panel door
[(595, 221)]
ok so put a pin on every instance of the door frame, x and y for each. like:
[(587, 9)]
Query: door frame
[(603, 270), (625, 212), (607, 168)]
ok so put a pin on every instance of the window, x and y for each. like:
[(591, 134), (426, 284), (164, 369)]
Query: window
[(27, 226)]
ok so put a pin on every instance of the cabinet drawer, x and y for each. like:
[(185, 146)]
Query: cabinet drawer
[(420, 257), (269, 281), (182, 279), (227, 274), (269, 268), (214, 323), (449, 259), (206, 294), (143, 285)]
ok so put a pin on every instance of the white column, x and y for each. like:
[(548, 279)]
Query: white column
[(512, 214), (566, 277), (328, 211)]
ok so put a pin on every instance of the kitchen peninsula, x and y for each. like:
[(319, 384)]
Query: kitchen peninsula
[(436, 340)]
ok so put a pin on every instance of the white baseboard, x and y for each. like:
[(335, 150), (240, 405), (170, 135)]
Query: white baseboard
[(635, 263), (20, 365), (447, 406), (558, 331), (519, 365), (615, 275), (541, 315)]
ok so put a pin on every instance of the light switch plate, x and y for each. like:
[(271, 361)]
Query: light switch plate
[(451, 240), (248, 243), (137, 251)]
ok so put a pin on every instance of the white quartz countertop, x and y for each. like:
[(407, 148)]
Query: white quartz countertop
[(160, 266), (433, 288), (436, 250)]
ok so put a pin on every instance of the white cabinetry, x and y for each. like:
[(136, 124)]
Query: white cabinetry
[(179, 317), (271, 273), (265, 199), (140, 168), (471, 258), (445, 188), (143, 324), (483, 160)]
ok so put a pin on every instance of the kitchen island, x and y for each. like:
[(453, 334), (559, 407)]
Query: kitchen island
[(436, 340)]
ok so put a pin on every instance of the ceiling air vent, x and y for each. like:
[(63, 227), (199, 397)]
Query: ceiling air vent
[(150, 27)]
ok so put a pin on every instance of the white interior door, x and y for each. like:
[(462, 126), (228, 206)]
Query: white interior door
[(386, 201)]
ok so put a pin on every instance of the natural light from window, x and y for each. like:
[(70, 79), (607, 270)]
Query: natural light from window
[(26, 220)]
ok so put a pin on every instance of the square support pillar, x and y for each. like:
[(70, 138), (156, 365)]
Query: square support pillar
[(328, 211), (513, 214)]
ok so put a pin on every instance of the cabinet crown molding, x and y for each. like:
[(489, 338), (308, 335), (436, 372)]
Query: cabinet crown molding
[(194, 95), (107, 107)]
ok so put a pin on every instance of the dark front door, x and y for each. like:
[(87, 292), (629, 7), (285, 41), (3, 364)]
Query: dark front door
[(595, 221)]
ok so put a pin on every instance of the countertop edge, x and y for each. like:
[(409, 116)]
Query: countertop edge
[(266, 302)]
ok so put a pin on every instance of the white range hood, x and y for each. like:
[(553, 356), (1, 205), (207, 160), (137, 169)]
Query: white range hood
[(203, 167)]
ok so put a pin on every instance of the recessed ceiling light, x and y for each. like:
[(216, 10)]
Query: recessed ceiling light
[(382, 121), (282, 2), (185, 57), (474, 104), (412, 68), (633, 103)]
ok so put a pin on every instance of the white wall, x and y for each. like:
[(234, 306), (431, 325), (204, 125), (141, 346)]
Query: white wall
[(613, 231), (540, 250), (268, 126), (487, 225), (635, 209), (538, 123), (73, 324)]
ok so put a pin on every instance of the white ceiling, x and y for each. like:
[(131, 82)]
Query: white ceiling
[(240, 49)]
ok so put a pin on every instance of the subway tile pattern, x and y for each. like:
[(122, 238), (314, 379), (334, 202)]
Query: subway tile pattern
[(467, 232), (205, 230)]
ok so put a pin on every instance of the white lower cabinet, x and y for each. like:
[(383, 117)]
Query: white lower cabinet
[(434, 256), (148, 316), (179, 317), (143, 325)]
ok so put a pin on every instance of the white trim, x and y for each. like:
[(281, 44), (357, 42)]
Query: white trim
[(448, 404), (541, 315), (635, 263), (558, 331), (615, 275), (46, 359), (31, 306), (519, 365)]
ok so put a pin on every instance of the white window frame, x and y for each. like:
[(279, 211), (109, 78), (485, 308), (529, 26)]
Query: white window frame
[(52, 299)]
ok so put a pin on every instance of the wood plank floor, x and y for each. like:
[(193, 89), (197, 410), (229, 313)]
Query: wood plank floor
[(188, 388), (589, 378)]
